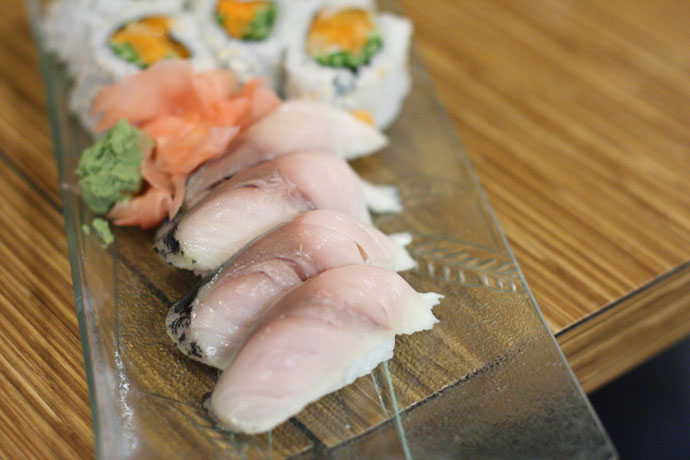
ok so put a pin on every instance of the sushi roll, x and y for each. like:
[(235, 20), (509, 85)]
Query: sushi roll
[(352, 57), (249, 37), (68, 25), (126, 40)]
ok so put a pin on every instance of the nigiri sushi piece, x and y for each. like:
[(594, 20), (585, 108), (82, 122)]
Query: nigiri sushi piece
[(210, 324), (316, 339), (262, 197), (294, 127)]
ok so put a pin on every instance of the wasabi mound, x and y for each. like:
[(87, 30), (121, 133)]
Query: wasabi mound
[(110, 170)]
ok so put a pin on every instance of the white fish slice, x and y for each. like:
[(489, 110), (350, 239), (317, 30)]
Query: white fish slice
[(257, 200), (295, 126), (215, 319), (316, 339)]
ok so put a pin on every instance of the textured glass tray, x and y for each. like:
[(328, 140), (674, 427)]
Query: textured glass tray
[(488, 381)]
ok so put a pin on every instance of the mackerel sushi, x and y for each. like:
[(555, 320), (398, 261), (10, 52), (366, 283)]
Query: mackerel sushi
[(351, 57), (211, 322), (262, 197), (293, 127), (317, 338)]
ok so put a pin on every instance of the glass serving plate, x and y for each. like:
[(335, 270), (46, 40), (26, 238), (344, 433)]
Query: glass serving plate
[(487, 381)]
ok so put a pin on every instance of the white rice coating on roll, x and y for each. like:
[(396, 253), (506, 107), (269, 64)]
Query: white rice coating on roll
[(68, 25), (247, 58), (66, 29), (105, 67), (378, 87)]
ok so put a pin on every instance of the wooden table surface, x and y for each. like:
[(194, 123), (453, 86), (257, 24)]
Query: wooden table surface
[(576, 116)]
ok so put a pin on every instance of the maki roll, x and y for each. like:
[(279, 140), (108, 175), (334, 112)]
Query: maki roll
[(132, 38), (249, 36), (351, 57), (146, 41), (69, 23), (127, 40)]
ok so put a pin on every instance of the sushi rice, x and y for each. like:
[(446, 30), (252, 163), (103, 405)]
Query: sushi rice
[(69, 23), (374, 84), (97, 64), (66, 30), (257, 53)]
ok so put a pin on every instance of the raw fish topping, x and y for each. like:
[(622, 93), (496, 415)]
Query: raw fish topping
[(316, 339), (213, 322)]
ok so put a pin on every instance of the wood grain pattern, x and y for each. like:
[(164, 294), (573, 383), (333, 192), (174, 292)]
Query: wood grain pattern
[(45, 411), (630, 330), (575, 116)]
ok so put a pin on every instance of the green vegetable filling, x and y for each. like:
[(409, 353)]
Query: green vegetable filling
[(261, 25), (109, 170), (352, 61), (126, 52)]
